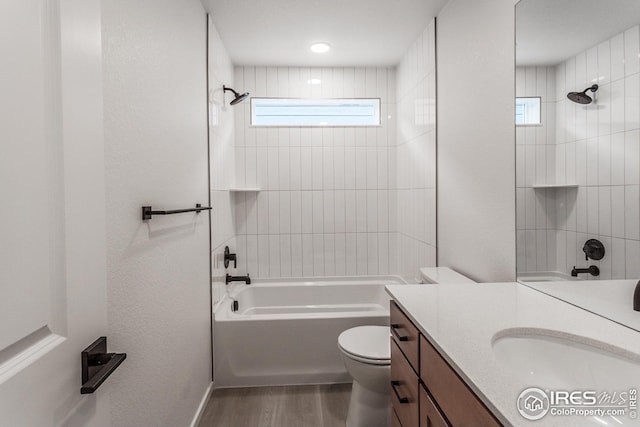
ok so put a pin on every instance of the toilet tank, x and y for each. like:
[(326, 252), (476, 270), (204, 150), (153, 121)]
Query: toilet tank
[(442, 275)]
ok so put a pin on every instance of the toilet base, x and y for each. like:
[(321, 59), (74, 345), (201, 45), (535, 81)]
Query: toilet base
[(368, 408)]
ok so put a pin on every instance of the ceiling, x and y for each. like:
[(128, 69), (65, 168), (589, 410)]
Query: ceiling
[(551, 31), (279, 32)]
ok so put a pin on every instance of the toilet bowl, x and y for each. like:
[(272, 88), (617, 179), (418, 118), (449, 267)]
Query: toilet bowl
[(366, 354), (367, 357)]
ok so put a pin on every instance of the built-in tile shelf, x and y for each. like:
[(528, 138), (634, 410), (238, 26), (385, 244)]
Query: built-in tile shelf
[(244, 190), (554, 186)]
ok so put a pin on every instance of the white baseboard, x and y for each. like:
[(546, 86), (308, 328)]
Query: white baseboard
[(202, 406)]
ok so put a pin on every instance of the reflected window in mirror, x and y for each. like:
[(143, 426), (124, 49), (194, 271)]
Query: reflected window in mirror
[(528, 111)]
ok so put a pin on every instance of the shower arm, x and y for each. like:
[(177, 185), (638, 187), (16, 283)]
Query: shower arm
[(236, 94), (593, 88)]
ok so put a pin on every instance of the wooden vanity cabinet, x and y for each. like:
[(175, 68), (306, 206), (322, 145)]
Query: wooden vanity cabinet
[(405, 335), (404, 388), (430, 415), (425, 390), (460, 405), (395, 422)]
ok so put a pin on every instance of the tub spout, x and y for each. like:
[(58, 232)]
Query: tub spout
[(246, 279), (636, 298), (592, 269)]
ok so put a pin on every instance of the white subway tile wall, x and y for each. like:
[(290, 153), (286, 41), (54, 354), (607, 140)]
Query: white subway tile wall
[(596, 146), (223, 160), (335, 201), (323, 206), (415, 196)]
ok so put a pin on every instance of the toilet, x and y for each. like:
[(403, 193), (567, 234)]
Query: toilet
[(442, 275), (367, 356)]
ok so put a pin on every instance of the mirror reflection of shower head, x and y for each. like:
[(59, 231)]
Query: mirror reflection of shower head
[(582, 97), (238, 98)]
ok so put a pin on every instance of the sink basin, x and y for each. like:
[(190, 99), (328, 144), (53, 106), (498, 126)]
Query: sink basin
[(553, 359)]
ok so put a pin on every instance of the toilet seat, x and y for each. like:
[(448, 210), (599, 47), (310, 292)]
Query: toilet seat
[(366, 344)]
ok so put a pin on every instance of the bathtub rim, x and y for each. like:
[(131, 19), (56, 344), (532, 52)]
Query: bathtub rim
[(323, 281)]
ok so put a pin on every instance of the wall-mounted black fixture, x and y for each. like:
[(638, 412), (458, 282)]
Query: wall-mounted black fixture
[(592, 269), (97, 365), (593, 249), (636, 297), (582, 97), (228, 257), (246, 279), (236, 96), (148, 212)]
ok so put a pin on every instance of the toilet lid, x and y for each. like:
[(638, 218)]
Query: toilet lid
[(366, 342)]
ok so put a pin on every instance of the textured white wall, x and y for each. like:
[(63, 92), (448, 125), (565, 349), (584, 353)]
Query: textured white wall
[(476, 141), (158, 271), (416, 155), (325, 206)]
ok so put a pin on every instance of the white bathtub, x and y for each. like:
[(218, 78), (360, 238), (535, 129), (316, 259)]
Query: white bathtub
[(544, 276), (286, 331)]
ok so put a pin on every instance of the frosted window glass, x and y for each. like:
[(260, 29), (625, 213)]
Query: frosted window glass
[(528, 111), (315, 112)]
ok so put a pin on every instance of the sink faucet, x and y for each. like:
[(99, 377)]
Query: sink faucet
[(246, 279), (636, 298), (592, 269)]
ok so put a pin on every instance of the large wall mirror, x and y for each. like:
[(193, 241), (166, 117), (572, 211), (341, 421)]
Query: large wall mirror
[(578, 139)]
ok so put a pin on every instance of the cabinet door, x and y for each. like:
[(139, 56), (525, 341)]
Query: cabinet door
[(405, 334), (460, 405), (430, 415), (395, 422), (404, 388)]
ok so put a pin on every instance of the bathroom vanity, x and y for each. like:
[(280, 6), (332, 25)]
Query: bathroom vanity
[(461, 355), (420, 377)]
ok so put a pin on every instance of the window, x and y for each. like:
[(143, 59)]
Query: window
[(315, 112), (528, 111)]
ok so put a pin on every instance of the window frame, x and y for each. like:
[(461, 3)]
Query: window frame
[(539, 110), (377, 106)]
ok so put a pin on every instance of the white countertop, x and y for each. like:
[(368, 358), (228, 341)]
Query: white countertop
[(462, 320)]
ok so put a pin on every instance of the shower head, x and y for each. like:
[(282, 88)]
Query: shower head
[(582, 97), (238, 97)]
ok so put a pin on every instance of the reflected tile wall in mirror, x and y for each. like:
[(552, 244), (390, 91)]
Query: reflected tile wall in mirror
[(597, 147)]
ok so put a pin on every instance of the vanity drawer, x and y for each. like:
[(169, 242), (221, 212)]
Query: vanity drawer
[(451, 394), (404, 388), (395, 422), (405, 334), (430, 415)]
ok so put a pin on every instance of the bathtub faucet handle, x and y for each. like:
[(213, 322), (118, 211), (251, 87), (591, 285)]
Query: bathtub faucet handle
[(228, 256)]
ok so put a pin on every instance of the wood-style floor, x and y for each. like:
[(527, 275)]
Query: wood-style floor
[(289, 406)]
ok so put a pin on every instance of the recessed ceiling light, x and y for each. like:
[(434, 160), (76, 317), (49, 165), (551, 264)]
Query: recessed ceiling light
[(320, 47), (314, 81)]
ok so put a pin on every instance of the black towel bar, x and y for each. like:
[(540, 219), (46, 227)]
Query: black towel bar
[(148, 212)]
